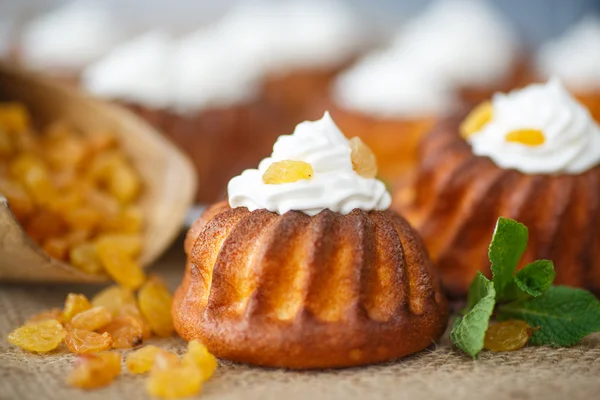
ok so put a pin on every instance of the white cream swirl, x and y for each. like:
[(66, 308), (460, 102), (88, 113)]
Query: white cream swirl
[(334, 185), (574, 57), (467, 41), (388, 84), (572, 138)]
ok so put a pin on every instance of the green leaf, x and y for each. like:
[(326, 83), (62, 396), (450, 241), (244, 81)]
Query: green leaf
[(536, 277), (468, 332), (508, 245), (477, 290), (563, 315)]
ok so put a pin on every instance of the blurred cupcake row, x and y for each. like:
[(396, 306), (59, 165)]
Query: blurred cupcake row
[(224, 92)]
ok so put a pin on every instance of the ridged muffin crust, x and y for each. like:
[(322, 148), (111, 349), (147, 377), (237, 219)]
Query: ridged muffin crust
[(304, 292), (455, 198)]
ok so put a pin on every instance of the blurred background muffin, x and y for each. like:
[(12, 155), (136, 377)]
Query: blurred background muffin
[(390, 102), (202, 95), (574, 57)]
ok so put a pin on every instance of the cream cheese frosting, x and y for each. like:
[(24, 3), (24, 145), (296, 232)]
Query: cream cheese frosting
[(574, 57), (571, 137), (334, 185), (70, 37), (466, 41), (387, 84)]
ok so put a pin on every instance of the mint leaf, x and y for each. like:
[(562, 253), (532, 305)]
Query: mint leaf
[(468, 332), (536, 277), (508, 245), (477, 290), (563, 315)]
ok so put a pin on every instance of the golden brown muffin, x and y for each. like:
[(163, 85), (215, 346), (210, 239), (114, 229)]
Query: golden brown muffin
[(221, 142), (456, 198), (303, 292)]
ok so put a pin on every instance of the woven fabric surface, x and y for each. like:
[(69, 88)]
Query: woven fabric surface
[(436, 373)]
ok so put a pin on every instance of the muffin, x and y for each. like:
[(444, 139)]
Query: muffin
[(574, 58), (206, 100), (390, 102), (531, 155), (305, 267), (306, 43), (64, 41), (467, 42)]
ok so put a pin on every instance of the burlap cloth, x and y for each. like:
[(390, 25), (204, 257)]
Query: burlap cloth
[(440, 372)]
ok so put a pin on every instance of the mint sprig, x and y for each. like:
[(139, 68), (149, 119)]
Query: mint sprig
[(563, 315)]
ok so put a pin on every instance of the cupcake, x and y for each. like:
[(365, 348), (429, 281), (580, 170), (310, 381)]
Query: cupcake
[(389, 101), (574, 58), (531, 155), (64, 41), (468, 43), (305, 267), (206, 99)]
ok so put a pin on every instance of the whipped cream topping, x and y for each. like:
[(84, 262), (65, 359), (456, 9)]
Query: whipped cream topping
[(70, 37), (574, 57), (136, 71), (334, 185), (466, 41), (296, 34), (388, 84), (188, 74), (572, 137)]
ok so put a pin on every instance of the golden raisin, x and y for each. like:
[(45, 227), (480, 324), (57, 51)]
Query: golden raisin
[(85, 257), (82, 341), (19, 200), (14, 117), (507, 335), (287, 171), (142, 360), (75, 304), (7, 146), (364, 161), (154, 301), (132, 310), (129, 220), (35, 176), (120, 265), (114, 298), (92, 319), (56, 248), (199, 356), (129, 245), (169, 379), (54, 313), (126, 332), (477, 119), (527, 137), (39, 337), (95, 370)]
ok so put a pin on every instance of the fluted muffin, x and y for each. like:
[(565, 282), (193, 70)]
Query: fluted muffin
[(305, 266), (531, 155)]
